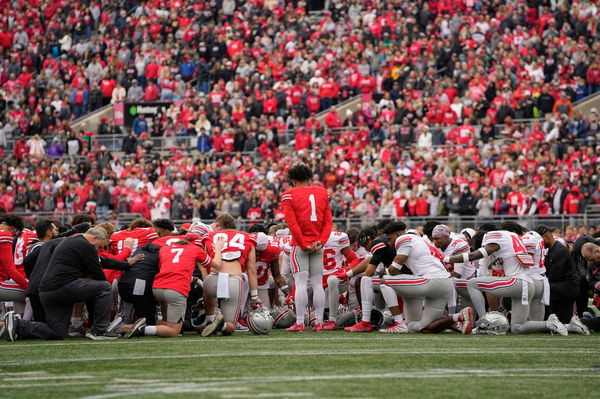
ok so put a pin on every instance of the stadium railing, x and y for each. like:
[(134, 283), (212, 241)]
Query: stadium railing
[(456, 223)]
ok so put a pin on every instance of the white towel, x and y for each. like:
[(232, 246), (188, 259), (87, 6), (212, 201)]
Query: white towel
[(524, 292), (223, 286), (452, 301), (546, 294)]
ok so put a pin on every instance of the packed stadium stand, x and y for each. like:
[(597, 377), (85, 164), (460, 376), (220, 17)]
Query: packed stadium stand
[(460, 109)]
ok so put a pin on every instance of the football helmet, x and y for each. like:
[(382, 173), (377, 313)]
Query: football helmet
[(493, 323), (376, 318), (283, 317), (310, 318), (259, 321)]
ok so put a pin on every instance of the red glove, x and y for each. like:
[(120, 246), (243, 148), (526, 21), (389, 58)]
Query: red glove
[(342, 274), (289, 300)]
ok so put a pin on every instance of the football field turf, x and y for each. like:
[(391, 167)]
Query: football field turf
[(305, 365)]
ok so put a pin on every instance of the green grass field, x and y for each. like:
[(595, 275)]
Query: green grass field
[(305, 365)]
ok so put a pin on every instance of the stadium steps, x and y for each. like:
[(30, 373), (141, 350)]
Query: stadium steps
[(586, 104), (350, 104), (92, 120)]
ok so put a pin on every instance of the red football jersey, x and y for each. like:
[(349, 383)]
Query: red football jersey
[(264, 260), (141, 236), (27, 239), (307, 214), (7, 262), (237, 247), (177, 263), (167, 240)]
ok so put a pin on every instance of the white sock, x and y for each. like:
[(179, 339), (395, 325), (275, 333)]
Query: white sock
[(398, 318), (301, 298), (76, 322), (366, 291), (150, 330), (333, 289), (210, 317), (455, 317), (316, 283)]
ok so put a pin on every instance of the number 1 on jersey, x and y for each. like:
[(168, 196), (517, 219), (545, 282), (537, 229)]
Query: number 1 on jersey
[(313, 208)]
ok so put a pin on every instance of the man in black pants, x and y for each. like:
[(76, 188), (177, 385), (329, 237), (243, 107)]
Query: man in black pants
[(66, 283), (40, 256), (135, 285), (562, 276)]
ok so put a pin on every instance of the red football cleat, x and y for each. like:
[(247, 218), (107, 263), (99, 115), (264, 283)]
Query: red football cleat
[(296, 328), (318, 328), (362, 326), (330, 326)]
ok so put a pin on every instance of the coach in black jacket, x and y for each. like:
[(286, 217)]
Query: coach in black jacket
[(66, 282), (562, 276)]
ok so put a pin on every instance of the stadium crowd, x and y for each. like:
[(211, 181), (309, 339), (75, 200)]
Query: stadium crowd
[(434, 135)]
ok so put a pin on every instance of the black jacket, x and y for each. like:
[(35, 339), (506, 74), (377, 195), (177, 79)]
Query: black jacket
[(559, 265), (74, 258), (145, 270)]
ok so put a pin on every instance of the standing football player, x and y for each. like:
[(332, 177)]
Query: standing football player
[(308, 215)]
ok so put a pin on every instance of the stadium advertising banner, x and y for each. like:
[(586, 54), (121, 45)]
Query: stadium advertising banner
[(148, 110)]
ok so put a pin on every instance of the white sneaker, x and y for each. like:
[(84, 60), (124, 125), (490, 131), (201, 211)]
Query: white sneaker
[(396, 328), (115, 325), (556, 326), (577, 326), (466, 325)]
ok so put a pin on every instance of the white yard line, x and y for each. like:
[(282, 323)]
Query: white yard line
[(212, 384), (349, 352), (248, 339), (52, 384), (443, 373), (267, 395), (48, 377)]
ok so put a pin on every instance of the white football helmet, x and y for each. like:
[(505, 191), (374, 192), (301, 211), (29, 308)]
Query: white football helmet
[(493, 323), (310, 318), (283, 317), (259, 321)]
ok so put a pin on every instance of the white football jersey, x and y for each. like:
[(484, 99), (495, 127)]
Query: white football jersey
[(286, 248), (506, 258), (362, 253), (534, 244), (458, 245), (332, 252), (423, 260)]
